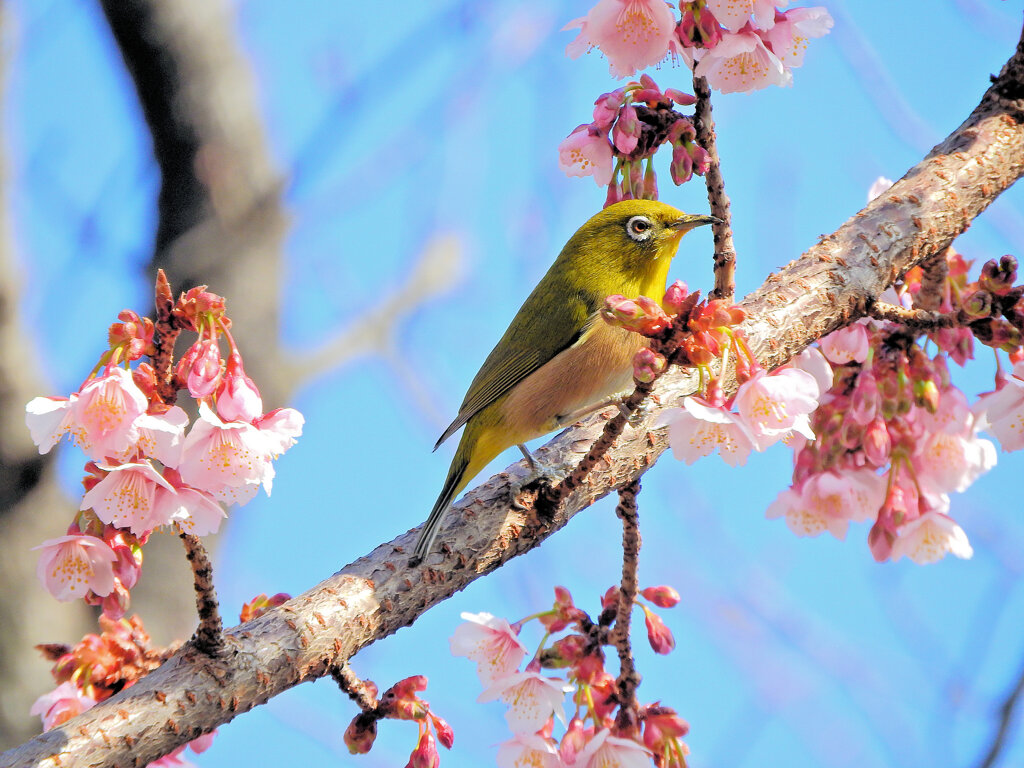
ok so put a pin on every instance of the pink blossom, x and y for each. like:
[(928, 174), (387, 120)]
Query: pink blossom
[(878, 186), (791, 31), (734, 14), (280, 428), (775, 406), (229, 461), (813, 362), (161, 436), (531, 698), (238, 399), (829, 501), (70, 566), (742, 62), (127, 497), (1002, 412), (950, 462), (607, 751), (928, 538), (104, 414), (529, 750), (633, 34), (204, 371), (491, 643), (49, 419), (698, 428), (194, 511), (586, 152), (61, 704), (846, 345)]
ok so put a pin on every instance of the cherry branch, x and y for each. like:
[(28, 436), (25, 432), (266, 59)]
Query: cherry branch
[(209, 636), (629, 678)]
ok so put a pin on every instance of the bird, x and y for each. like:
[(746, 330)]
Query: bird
[(558, 360)]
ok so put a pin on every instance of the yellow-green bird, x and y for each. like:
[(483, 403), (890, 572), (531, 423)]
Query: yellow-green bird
[(559, 360)]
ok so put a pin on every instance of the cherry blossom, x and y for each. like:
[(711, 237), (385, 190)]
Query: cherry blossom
[(586, 152), (633, 34), (928, 538), (491, 643), (69, 566), (61, 704), (742, 62), (777, 405), (734, 14), (845, 345), (104, 413), (49, 419), (698, 428), (829, 501), (129, 496), (531, 698), (1002, 412), (607, 751), (161, 436), (789, 35), (528, 750)]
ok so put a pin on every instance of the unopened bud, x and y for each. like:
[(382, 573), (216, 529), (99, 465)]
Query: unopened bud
[(648, 365), (662, 596), (675, 295)]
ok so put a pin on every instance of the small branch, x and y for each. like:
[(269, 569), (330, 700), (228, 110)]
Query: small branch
[(1006, 716), (725, 251), (915, 319), (166, 333), (551, 497), (935, 270), (209, 636), (354, 688), (629, 678)]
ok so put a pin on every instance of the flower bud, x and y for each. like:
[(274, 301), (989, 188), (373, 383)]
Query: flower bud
[(675, 295), (648, 365), (445, 734), (425, 755), (659, 636), (361, 733), (662, 596)]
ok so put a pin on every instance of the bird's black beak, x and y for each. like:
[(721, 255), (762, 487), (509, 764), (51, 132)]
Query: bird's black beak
[(688, 221)]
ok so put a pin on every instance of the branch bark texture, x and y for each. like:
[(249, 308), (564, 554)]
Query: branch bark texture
[(376, 595)]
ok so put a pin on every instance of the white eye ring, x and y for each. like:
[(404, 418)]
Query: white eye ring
[(639, 228)]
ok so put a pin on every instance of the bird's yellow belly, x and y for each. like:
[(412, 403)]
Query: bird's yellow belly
[(598, 366)]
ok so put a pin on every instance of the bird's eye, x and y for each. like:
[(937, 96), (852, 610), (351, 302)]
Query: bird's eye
[(639, 228)]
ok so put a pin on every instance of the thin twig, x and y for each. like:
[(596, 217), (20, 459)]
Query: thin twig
[(354, 688), (165, 334), (1006, 717), (629, 678), (209, 636), (915, 319), (725, 251), (934, 270)]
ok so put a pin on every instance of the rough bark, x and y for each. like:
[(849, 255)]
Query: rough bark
[(378, 594)]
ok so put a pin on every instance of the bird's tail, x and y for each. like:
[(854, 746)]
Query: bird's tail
[(480, 443)]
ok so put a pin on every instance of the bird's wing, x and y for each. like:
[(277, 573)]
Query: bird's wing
[(534, 337)]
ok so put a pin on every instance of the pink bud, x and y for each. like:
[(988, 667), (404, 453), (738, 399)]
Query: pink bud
[(626, 133), (662, 596), (238, 399), (675, 295), (574, 740), (445, 734), (648, 365), (425, 755), (360, 734), (657, 633), (877, 443), (203, 372)]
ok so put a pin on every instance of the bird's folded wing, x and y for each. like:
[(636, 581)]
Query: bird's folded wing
[(534, 337)]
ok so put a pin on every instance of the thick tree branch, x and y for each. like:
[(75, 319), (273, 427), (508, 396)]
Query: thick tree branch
[(378, 594)]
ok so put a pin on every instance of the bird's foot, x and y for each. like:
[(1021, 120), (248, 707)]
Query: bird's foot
[(550, 473), (635, 417)]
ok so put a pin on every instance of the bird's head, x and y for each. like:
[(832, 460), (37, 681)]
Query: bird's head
[(632, 241)]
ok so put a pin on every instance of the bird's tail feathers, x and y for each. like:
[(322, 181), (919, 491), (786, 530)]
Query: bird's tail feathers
[(452, 485)]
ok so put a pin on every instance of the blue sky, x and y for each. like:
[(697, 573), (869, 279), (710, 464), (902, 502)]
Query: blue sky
[(398, 122)]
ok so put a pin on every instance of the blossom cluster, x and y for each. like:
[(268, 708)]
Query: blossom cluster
[(630, 124), (738, 45), (401, 702), (99, 666), (880, 432), (683, 331), (147, 469), (599, 732)]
